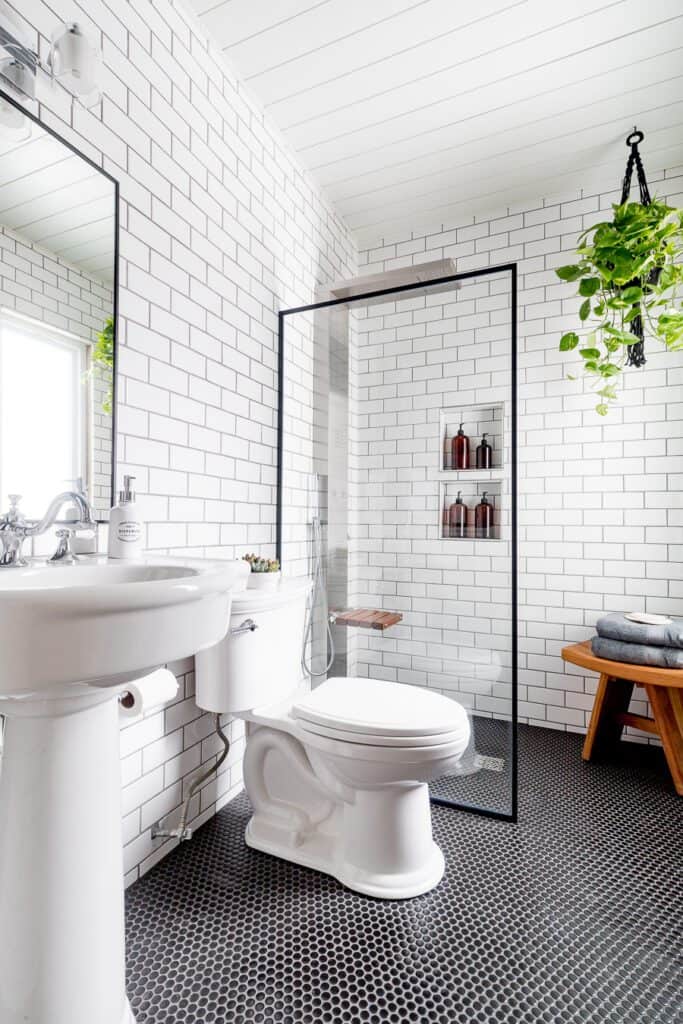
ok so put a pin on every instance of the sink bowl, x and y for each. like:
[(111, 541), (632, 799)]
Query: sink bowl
[(70, 638), (103, 623)]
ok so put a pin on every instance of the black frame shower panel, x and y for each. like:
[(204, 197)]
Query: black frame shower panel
[(510, 268)]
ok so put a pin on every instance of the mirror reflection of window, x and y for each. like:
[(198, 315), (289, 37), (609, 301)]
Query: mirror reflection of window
[(44, 402)]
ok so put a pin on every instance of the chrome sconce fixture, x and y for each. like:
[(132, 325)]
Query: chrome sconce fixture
[(74, 60)]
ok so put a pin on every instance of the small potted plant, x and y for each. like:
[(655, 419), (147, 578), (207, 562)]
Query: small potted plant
[(265, 573)]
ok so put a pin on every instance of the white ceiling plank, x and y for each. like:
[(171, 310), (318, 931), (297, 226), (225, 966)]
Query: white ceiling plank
[(516, 151), (29, 157), (63, 241), (354, 67), (70, 172), (470, 121), (373, 125), (229, 22), (312, 30), (67, 219), (426, 71), (413, 112), (526, 181), (71, 198), (529, 121), (530, 191)]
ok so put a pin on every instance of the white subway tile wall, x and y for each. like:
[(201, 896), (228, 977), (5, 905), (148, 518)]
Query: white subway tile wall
[(601, 500), (220, 228)]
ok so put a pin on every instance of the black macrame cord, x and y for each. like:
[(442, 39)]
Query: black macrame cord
[(636, 352)]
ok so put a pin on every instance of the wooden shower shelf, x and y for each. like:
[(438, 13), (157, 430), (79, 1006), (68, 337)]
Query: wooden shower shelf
[(368, 618)]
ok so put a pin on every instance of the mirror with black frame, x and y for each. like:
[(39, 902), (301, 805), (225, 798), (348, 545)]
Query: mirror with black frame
[(58, 252)]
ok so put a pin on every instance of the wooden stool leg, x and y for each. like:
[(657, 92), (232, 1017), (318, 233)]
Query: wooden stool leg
[(612, 699), (667, 709)]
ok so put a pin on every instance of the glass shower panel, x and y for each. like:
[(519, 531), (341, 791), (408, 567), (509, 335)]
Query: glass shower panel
[(374, 390)]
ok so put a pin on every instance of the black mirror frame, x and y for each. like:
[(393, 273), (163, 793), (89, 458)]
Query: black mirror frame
[(115, 312)]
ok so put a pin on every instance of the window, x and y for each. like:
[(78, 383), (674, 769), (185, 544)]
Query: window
[(44, 402)]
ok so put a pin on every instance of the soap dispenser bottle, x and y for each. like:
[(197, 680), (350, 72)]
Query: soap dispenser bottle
[(125, 525), (461, 450), (458, 517), (483, 518), (484, 454)]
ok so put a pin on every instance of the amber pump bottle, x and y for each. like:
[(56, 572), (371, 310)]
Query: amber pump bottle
[(461, 450), (484, 454), (483, 518), (457, 517)]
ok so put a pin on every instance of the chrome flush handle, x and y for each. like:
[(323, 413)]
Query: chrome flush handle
[(248, 626)]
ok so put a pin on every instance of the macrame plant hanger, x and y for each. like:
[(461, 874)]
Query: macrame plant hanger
[(636, 352)]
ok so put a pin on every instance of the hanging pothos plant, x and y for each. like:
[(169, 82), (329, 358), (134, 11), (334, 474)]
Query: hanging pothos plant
[(103, 357), (628, 267)]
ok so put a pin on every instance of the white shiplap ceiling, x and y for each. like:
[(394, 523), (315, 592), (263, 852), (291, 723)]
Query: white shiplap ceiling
[(58, 201), (411, 113)]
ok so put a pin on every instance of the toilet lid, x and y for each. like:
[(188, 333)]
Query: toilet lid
[(373, 707)]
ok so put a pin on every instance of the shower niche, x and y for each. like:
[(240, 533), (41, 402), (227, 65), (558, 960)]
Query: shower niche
[(473, 484), (476, 420), (471, 493)]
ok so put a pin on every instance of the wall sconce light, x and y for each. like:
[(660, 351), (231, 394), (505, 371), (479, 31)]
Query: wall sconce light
[(14, 125), (76, 62)]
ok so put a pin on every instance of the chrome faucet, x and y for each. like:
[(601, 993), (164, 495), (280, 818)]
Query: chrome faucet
[(15, 527)]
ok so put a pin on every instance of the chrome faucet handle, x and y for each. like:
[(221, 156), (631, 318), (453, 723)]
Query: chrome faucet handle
[(15, 514), (64, 554), (12, 534)]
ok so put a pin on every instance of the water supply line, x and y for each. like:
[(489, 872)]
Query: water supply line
[(318, 591), (183, 832)]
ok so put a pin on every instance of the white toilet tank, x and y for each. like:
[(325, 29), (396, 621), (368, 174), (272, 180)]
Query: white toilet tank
[(254, 669)]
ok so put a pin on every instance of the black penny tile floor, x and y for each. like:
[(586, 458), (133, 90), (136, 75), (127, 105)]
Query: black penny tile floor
[(573, 916)]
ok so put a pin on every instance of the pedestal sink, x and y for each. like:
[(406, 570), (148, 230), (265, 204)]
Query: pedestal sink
[(70, 639)]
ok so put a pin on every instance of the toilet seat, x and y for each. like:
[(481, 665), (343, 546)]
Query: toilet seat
[(377, 713)]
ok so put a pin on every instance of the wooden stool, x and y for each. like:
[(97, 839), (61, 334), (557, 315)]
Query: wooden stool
[(664, 689)]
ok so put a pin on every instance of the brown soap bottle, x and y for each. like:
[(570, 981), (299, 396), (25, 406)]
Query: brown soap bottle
[(484, 454), (461, 450), (457, 517), (483, 518)]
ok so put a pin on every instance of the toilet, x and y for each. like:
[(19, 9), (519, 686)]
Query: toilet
[(337, 776)]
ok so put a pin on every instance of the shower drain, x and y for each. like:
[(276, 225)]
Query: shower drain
[(489, 764)]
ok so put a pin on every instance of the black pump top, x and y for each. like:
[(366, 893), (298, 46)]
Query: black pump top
[(460, 430)]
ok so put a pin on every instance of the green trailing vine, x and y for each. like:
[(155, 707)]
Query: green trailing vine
[(628, 267), (103, 357)]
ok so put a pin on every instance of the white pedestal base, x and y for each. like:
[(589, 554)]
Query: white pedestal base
[(61, 864)]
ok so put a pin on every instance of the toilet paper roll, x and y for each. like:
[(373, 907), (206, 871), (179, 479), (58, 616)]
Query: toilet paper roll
[(148, 693)]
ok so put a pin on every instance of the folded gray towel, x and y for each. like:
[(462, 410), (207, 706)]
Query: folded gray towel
[(636, 654), (617, 627)]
